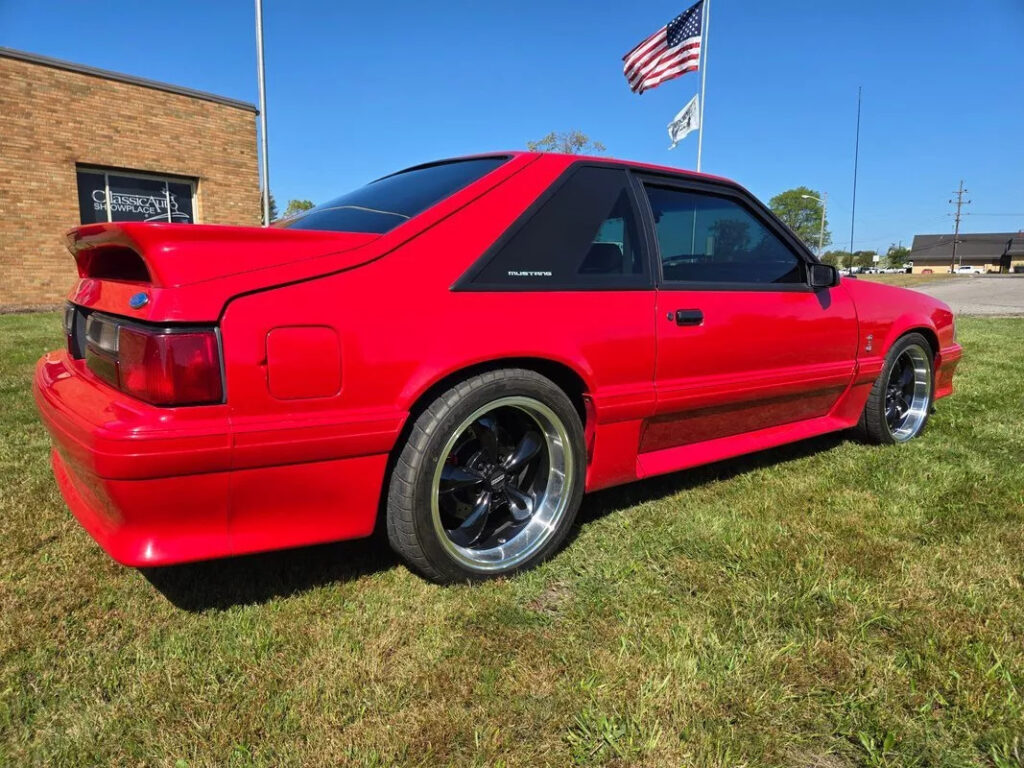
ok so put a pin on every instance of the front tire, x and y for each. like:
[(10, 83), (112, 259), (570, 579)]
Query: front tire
[(901, 399), (489, 480)]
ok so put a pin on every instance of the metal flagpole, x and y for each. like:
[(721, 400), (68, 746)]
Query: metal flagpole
[(263, 113), (705, 24)]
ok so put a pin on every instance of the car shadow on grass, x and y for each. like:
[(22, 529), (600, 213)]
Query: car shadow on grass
[(259, 578), (255, 579), (602, 503)]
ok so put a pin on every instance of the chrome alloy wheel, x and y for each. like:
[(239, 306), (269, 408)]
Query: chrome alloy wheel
[(503, 484), (908, 393)]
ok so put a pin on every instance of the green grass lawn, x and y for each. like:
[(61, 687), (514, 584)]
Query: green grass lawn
[(827, 604)]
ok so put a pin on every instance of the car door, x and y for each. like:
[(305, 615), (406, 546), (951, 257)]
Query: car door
[(743, 343)]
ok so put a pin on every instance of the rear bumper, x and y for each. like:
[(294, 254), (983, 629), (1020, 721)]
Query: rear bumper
[(148, 522), (159, 486)]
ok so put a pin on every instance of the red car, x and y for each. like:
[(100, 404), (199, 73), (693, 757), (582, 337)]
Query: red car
[(458, 352)]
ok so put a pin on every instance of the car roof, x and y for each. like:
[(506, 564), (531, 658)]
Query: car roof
[(665, 169), (570, 159)]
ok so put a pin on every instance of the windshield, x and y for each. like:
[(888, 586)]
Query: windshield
[(383, 204)]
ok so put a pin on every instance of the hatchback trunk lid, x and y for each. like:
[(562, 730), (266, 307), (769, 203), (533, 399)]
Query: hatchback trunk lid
[(177, 272)]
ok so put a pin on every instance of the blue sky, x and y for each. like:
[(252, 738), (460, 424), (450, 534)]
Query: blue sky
[(359, 89)]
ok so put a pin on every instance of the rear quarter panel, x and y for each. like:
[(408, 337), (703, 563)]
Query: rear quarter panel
[(401, 330)]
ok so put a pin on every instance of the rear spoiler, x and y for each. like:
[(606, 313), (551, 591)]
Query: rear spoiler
[(169, 255), (104, 252)]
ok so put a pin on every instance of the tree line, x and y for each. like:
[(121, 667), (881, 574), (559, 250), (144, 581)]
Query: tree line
[(293, 207)]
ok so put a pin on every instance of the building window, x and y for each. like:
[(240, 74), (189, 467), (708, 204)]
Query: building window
[(115, 195)]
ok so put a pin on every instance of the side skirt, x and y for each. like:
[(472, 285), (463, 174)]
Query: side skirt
[(686, 456), (844, 415)]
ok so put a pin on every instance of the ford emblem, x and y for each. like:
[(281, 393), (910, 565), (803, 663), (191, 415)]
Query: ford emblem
[(138, 300)]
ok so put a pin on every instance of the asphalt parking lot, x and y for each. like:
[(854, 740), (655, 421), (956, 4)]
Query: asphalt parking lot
[(980, 295)]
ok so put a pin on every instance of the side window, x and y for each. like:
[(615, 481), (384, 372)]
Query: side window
[(708, 239), (585, 236)]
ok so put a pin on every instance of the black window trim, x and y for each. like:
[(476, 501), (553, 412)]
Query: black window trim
[(755, 207), (466, 282), (504, 157)]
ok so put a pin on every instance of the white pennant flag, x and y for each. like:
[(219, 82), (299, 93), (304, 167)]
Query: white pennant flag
[(686, 121)]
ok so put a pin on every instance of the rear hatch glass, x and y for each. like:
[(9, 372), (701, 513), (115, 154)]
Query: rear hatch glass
[(383, 204)]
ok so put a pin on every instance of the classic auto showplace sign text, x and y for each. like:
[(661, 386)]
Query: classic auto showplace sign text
[(149, 206)]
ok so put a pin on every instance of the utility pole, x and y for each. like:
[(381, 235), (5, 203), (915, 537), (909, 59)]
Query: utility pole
[(960, 202)]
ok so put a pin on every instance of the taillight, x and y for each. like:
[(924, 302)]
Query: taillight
[(170, 368), (101, 348), (160, 366)]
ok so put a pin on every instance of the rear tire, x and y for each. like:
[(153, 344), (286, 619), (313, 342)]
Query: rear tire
[(489, 481), (901, 398)]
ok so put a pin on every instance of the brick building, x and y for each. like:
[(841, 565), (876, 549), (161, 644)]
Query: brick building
[(79, 145)]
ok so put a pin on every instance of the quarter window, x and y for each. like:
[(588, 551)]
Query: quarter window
[(710, 239), (127, 196), (584, 236)]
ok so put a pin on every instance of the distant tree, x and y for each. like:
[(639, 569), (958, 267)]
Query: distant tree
[(802, 214), (297, 206), (273, 208), (570, 143), (864, 259), (731, 238), (842, 259), (897, 256)]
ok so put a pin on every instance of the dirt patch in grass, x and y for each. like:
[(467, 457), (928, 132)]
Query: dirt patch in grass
[(552, 599)]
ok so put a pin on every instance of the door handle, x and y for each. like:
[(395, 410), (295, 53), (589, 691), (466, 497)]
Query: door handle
[(689, 317)]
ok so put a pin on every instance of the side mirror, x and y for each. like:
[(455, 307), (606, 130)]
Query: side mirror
[(823, 276)]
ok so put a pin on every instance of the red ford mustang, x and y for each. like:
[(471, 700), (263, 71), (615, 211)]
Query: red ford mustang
[(458, 351)]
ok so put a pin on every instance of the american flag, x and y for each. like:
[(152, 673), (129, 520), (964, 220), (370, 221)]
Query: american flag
[(670, 52)]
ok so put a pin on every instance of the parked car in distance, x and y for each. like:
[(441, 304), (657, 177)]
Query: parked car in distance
[(965, 269), (457, 352)]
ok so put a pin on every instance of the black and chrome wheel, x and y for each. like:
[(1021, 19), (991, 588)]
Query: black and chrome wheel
[(901, 398), (490, 479)]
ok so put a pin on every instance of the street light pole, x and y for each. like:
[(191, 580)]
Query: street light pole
[(821, 231)]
